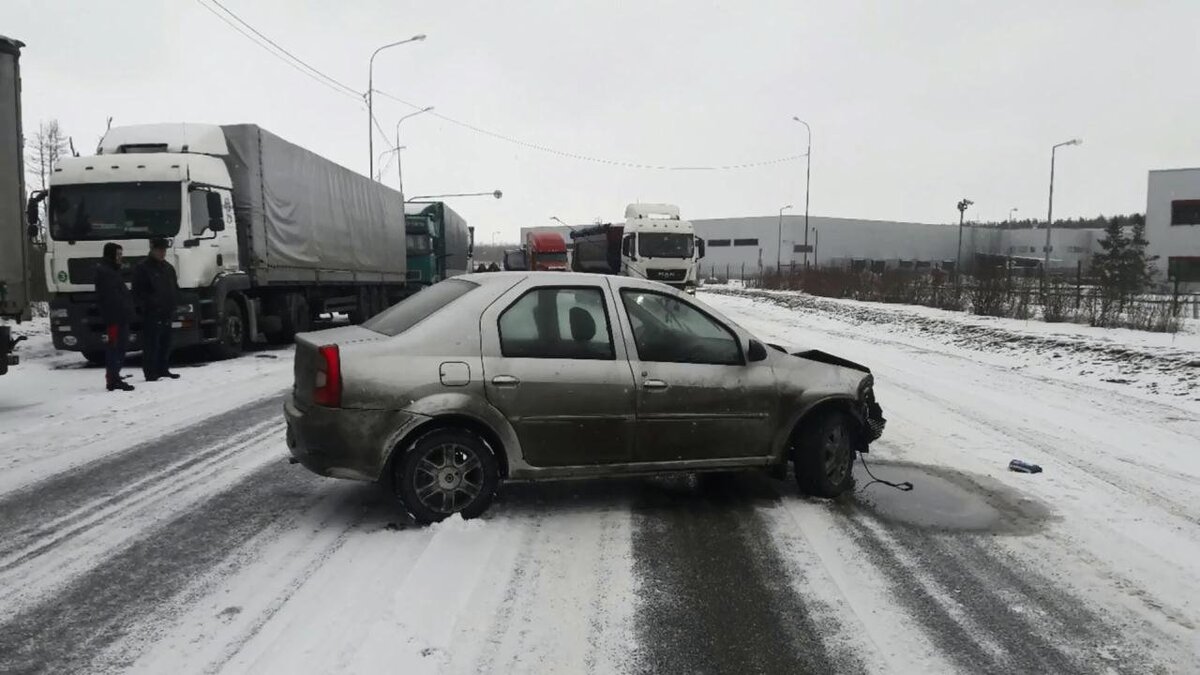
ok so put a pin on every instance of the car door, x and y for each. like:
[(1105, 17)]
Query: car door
[(553, 368), (698, 397)]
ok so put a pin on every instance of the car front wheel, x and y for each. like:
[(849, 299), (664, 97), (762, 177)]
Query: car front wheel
[(446, 472), (823, 454)]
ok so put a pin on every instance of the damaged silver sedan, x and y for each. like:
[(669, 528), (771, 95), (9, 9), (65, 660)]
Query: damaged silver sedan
[(486, 378)]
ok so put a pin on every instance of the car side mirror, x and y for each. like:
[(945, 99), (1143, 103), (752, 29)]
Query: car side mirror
[(756, 351), (216, 217)]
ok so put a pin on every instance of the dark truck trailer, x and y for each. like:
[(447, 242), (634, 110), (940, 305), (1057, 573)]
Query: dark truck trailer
[(266, 235), (597, 249), (14, 245)]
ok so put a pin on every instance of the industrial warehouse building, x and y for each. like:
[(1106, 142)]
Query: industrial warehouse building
[(751, 245)]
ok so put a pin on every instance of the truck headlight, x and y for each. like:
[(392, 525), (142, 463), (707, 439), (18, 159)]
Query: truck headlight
[(58, 313)]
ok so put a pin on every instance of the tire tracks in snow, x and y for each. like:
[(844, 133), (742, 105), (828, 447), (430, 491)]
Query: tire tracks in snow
[(64, 525), (715, 596), (65, 632)]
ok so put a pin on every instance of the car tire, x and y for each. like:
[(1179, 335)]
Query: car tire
[(445, 472), (823, 454), (94, 358), (231, 338)]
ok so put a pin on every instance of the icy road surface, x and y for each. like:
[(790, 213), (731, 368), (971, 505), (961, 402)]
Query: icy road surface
[(163, 531)]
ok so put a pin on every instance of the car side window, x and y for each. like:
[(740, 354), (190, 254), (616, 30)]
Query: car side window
[(557, 323), (667, 329)]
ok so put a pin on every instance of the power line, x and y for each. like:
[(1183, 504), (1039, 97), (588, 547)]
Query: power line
[(336, 86), (276, 45), (587, 158), (341, 88)]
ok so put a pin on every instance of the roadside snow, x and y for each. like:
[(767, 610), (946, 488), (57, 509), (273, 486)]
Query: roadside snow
[(55, 413)]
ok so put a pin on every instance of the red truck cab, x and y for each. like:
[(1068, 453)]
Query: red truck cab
[(547, 251)]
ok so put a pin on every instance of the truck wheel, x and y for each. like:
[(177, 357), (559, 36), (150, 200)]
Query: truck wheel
[(232, 339), (446, 472), (294, 316), (94, 358), (823, 454)]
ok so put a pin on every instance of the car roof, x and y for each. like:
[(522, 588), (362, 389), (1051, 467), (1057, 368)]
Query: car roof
[(509, 278)]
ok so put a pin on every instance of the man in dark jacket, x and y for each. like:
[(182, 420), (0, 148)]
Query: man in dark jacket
[(116, 310), (156, 287)]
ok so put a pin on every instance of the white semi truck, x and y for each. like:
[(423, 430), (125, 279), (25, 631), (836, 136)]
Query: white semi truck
[(654, 243), (14, 251), (265, 235)]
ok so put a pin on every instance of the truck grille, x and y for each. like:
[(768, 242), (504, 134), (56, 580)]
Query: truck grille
[(666, 275), (83, 270)]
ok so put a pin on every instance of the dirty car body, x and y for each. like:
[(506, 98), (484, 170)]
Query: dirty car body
[(529, 375)]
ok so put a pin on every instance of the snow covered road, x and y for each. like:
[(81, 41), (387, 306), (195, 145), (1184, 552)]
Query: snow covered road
[(176, 538)]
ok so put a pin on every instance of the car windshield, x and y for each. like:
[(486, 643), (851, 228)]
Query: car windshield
[(105, 211), (418, 307), (665, 245)]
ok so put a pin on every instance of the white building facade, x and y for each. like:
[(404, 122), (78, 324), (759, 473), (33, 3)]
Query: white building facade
[(1173, 225)]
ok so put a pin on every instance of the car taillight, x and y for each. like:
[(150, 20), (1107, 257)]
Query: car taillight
[(327, 390)]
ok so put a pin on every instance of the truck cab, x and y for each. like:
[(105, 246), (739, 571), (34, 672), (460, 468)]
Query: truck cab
[(546, 251), (177, 187)]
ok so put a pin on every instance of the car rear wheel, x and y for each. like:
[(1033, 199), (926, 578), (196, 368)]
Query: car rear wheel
[(446, 472), (823, 454)]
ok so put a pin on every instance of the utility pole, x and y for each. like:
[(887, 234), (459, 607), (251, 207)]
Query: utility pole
[(962, 211), (807, 183), (779, 243)]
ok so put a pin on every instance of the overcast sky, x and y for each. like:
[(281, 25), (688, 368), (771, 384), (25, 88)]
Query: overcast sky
[(913, 105)]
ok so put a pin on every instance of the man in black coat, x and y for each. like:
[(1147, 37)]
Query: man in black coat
[(156, 287), (116, 310)]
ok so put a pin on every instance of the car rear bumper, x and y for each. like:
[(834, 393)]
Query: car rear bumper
[(344, 442)]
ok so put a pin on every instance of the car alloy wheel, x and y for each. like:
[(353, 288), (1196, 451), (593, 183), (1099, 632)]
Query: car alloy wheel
[(447, 478)]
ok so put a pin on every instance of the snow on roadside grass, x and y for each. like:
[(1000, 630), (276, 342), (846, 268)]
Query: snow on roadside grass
[(55, 413), (1156, 366)]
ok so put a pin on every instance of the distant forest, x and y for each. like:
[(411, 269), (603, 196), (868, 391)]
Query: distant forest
[(1099, 222)]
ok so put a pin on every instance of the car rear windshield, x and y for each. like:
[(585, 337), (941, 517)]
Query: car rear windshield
[(418, 307)]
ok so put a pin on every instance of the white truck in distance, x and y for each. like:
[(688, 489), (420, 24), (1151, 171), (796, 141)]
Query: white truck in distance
[(654, 243), (265, 235)]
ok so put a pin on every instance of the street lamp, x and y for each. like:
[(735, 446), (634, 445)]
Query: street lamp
[(560, 220), (807, 177), (1050, 210), (962, 211), (779, 243), (494, 193), (816, 243), (1011, 212), (371, 99), (385, 153), (399, 168)]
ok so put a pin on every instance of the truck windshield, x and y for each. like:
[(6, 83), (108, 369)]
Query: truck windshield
[(560, 257), (115, 211), (419, 244), (665, 245)]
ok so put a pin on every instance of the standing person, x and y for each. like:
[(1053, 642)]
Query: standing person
[(156, 287), (116, 310)]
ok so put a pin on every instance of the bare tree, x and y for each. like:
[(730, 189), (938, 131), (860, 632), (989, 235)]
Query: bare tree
[(49, 145)]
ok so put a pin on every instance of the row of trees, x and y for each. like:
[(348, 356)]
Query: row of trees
[(1096, 223)]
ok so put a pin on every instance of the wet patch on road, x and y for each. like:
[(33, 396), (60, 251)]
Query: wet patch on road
[(714, 594), (945, 500)]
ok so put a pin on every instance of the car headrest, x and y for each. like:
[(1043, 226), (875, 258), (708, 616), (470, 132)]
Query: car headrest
[(583, 326)]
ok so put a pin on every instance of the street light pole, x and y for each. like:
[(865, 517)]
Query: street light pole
[(816, 243), (962, 211), (1050, 209), (1011, 212), (371, 100), (779, 243), (494, 193), (807, 179), (399, 168)]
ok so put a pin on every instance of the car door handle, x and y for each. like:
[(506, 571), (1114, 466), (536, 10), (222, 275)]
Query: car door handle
[(654, 384), (505, 381)]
